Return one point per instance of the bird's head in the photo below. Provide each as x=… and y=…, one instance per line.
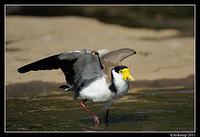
x=124, y=72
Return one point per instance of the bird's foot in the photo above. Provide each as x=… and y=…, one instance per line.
x=96, y=120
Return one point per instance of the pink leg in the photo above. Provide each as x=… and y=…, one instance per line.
x=95, y=117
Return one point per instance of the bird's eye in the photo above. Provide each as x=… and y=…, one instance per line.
x=93, y=53
x=120, y=71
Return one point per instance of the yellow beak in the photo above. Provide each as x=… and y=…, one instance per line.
x=127, y=77
x=126, y=74
x=130, y=77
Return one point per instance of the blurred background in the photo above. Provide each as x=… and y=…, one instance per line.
x=157, y=17
x=162, y=35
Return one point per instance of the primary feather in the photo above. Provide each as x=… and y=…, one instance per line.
x=79, y=67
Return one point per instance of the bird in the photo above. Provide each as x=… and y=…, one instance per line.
x=102, y=79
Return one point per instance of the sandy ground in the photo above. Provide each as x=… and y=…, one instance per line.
x=163, y=54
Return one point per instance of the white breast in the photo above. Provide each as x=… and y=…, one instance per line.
x=97, y=91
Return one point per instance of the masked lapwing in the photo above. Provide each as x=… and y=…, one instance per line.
x=100, y=79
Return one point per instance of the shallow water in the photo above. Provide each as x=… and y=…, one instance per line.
x=55, y=110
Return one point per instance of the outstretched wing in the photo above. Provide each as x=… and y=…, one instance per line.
x=113, y=59
x=52, y=62
x=79, y=67
x=116, y=56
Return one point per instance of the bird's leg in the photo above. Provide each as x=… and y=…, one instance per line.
x=95, y=117
x=106, y=117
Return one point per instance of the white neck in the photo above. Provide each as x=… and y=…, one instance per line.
x=121, y=85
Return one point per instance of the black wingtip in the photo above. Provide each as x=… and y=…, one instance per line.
x=25, y=68
x=18, y=70
x=21, y=70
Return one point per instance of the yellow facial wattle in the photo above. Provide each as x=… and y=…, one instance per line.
x=126, y=74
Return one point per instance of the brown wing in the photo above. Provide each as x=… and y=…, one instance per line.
x=113, y=59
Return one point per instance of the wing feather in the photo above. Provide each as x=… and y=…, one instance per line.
x=48, y=63
x=79, y=67
x=116, y=56
x=113, y=59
